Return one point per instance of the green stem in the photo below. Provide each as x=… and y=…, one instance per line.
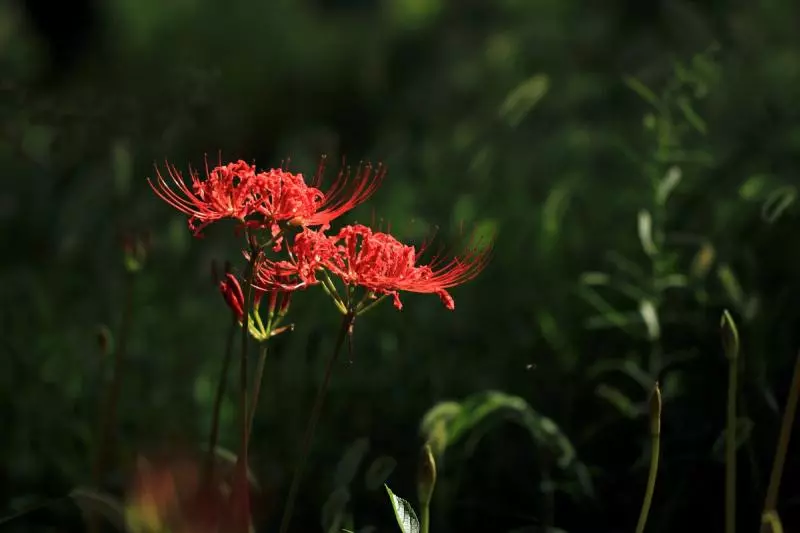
x=213, y=436
x=783, y=440
x=655, y=445
x=262, y=360
x=316, y=411
x=730, y=448
x=248, y=292
x=425, y=517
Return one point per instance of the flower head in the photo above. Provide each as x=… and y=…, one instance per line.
x=309, y=252
x=228, y=191
x=347, y=191
x=373, y=260
x=265, y=199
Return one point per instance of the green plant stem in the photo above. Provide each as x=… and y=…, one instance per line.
x=316, y=411
x=213, y=436
x=262, y=360
x=655, y=445
x=425, y=517
x=248, y=292
x=789, y=414
x=730, y=448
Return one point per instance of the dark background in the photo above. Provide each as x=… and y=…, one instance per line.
x=531, y=119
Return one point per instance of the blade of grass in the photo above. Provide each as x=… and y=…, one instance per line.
x=789, y=414
x=655, y=445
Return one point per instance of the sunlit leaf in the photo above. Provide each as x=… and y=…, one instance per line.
x=777, y=203
x=523, y=98
x=668, y=184
x=595, y=278
x=731, y=285
x=703, y=260
x=645, y=227
x=403, y=513
x=650, y=316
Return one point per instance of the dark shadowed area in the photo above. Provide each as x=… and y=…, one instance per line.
x=636, y=163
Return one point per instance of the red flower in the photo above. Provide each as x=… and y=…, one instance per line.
x=237, y=191
x=309, y=252
x=373, y=260
x=346, y=193
x=232, y=293
x=226, y=192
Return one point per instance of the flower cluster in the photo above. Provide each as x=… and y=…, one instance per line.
x=300, y=214
x=264, y=199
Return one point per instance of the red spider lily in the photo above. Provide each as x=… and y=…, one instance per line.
x=228, y=191
x=237, y=191
x=234, y=296
x=309, y=252
x=373, y=260
x=346, y=192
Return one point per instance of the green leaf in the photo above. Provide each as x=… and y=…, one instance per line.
x=480, y=411
x=334, y=509
x=351, y=460
x=668, y=184
x=650, y=316
x=645, y=227
x=403, y=513
x=777, y=203
x=642, y=90
x=379, y=471
x=691, y=115
x=617, y=398
x=523, y=98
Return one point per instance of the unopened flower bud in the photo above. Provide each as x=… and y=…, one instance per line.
x=233, y=295
x=730, y=335
x=426, y=476
x=655, y=411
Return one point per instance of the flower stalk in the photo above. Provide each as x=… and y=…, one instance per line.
x=655, y=444
x=213, y=436
x=789, y=413
x=316, y=412
x=730, y=342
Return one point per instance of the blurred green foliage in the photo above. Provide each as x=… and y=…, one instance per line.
x=638, y=161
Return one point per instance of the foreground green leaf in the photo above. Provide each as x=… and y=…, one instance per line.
x=403, y=513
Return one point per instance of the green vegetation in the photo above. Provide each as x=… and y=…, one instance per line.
x=637, y=164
